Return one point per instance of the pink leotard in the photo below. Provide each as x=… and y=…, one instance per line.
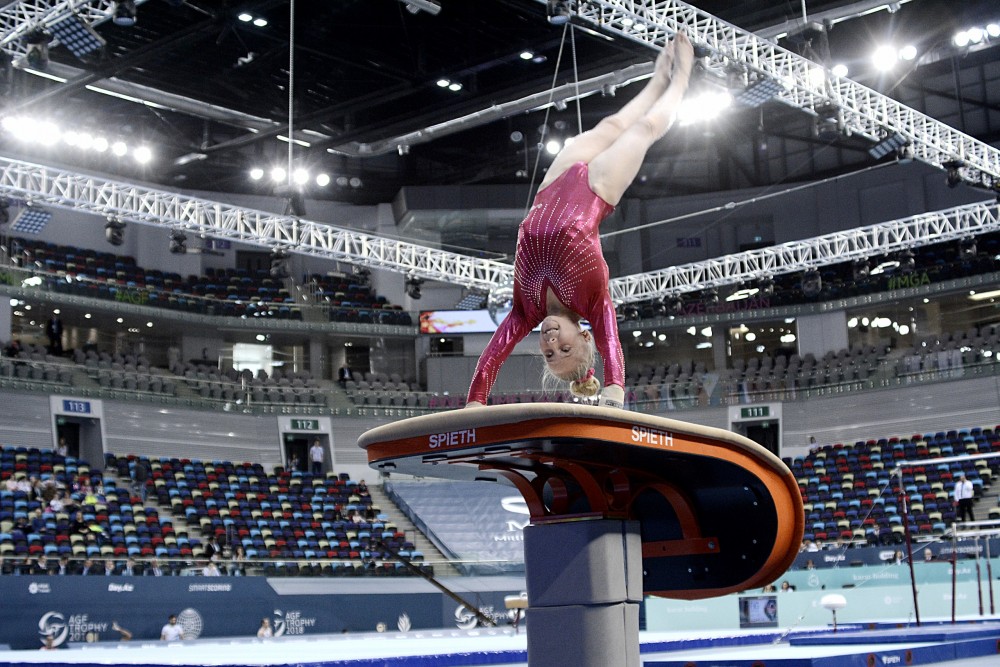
x=558, y=247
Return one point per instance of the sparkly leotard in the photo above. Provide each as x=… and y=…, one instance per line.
x=558, y=247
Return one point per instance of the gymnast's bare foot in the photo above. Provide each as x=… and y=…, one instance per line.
x=683, y=55
x=665, y=63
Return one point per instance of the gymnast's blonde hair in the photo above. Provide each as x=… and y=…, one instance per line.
x=581, y=379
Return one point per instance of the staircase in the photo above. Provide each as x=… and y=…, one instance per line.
x=432, y=555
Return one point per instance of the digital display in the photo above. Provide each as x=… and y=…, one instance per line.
x=759, y=612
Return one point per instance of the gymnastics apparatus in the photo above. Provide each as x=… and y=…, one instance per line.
x=622, y=504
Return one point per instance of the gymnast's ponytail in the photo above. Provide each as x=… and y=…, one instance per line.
x=586, y=386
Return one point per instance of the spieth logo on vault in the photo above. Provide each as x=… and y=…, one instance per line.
x=452, y=438
x=652, y=436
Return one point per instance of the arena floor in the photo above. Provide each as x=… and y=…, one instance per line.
x=972, y=644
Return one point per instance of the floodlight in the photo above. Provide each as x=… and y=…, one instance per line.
x=78, y=37
x=124, y=14
x=413, y=285
x=812, y=283
x=759, y=93
x=279, y=264
x=888, y=145
x=178, y=241
x=114, y=231
x=558, y=11
x=37, y=56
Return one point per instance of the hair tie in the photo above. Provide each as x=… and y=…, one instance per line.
x=590, y=374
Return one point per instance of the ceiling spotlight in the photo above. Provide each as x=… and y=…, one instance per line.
x=124, y=14
x=907, y=260
x=760, y=92
x=178, y=241
x=967, y=247
x=766, y=286
x=432, y=7
x=860, y=270
x=114, y=231
x=954, y=171
x=674, y=304
x=37, y=56
x=889, y=144
x=279, y=264
x=812, y=283
x=710, y=296
x=558, y=11
x=412, y=286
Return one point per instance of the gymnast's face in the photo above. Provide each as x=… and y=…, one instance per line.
x=563, y=345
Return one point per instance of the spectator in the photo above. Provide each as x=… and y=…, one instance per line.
x=88, y=568
x=124, y=635
x=154, y=569
x=54, y=331
x=964, y=494
x=109, y=568
x=265, y=628
x=65, y=566
x=211, y=570
x=140, y=475
x=42, y=566
x=343, y=375
x=238, y=567
x=316, y=457
x=213, y=550
x=293, y=463
x=130, y=568
x=171, y=632
x=786, y=587
x=875, y=537
x=62, y=449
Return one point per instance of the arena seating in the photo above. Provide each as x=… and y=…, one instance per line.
x=229, y=292
x=118, y=525
x=285, y=517
x=848, y=489
x=351, y=301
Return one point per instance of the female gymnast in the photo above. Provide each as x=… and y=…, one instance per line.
x=560, y=276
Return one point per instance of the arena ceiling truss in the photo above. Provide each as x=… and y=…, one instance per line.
x=727, y=49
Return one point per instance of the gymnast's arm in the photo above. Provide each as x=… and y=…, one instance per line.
x=604, y=323
x=510, y=332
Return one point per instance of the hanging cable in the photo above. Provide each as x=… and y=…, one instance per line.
x=545, y=121
x=576, y=78
x=291, y=88
x=733, y=205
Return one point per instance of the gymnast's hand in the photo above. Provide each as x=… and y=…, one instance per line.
x=474, y=404
x=613, y=396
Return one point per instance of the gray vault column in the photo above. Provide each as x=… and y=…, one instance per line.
x=584, y=581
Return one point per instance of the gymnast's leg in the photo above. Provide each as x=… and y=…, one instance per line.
x=613, y=169
x=594, y=141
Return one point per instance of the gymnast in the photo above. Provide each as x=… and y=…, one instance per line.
x=560, y=276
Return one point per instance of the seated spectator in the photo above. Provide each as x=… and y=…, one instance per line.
x=88, y=568
x=154, y=569
x=65, y=566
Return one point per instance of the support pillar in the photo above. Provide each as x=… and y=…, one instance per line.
x=584, y=582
